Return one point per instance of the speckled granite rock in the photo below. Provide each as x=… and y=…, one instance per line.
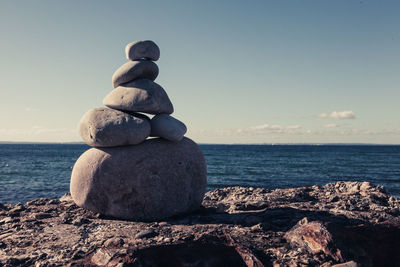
x=149, y=181
x=167, y=127
x=140, y=95
x=345, y=222
x=133, y=70
x=142, y=49
x=104, y=127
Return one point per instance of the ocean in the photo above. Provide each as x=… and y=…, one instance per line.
x=29, y=171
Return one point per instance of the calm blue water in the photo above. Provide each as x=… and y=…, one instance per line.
x=29, y=171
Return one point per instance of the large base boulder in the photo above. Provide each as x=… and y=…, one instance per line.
x=150, y=181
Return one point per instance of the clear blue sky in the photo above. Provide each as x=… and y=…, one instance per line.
x=236, y=71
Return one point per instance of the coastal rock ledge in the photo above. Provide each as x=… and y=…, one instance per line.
x=338, y=224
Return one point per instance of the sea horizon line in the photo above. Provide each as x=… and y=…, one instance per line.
x=254, y=144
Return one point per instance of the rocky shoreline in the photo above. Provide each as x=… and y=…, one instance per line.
x=342, y=224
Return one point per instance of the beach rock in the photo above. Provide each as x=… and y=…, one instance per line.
x=142, y=49
x=146, y=234
x=167, y=127
x=102, y=257
x=133, y=70
x=314, y=237
x=216, y=235
x=103, y=127
x=114, y=242
x=153, y=180
x=141, y=95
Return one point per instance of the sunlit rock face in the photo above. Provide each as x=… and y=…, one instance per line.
x=150, y=181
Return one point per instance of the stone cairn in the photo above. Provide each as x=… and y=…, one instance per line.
x=124, y=175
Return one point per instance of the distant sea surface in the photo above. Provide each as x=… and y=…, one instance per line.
x=29, y=171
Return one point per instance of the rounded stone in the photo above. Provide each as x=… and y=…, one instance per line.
x=167, y=127
x=140, y=95
x=142, y=49
x=150, y=181
x=133, y=70
x=103, y=127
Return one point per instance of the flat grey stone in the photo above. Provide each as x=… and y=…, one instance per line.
x=146, y=234
x=133, y=70
x=140, y=95
x=104, y=127
x=150, y=181
x=167, y=127
x=142, y=49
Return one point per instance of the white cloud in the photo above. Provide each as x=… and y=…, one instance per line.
x=293, y=127
x=347, y=114
x=35, y=130
x=331, y=129
x=38, y=133
x=29, y=109
x=270, y=129
x=260, y=127
x=331, y=125
x=296, y=132
x=335, y=131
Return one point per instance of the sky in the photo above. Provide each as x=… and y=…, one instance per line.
x=235, y=71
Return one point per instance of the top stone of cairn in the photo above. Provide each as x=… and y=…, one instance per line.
x=142, y=49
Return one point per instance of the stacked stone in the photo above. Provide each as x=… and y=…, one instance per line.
x=124, y=175
x=135, y=91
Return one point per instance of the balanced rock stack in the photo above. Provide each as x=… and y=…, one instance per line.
x=124, y=175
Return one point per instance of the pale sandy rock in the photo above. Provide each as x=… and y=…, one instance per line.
x=142, y=49
x=141, y=95
x=133, y=70
x=153, y=180
x=104, y=127
x=167, y=127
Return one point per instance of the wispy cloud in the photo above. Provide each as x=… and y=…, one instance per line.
x=331, y=125
x=334, y=131
x=270, y=129
x=35, y=130
x=29, y=109
x=38, y=133
x=347, y=114
x=292, y=131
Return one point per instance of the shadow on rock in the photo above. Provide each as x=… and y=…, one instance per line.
x=369, y=244
x=338, y=237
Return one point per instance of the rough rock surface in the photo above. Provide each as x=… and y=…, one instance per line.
x=152, y=180
x=133, y=70
x=104, y=127
x=141, y=95
x=167, y=127
x=142, y=49
x=346, y=222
